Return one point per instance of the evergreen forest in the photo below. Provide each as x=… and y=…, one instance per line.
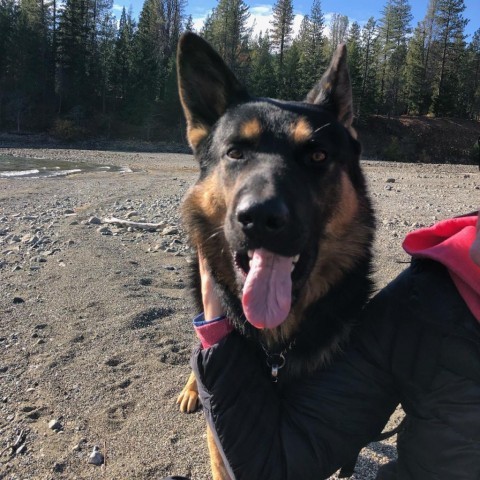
x=74, y=69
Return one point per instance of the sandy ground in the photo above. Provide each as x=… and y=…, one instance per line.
x=95, y=320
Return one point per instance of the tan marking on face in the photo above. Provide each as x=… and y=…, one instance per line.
x=346, y=209
x=251, y=129
x=203, y=212
x=301, y=131
x=196, y=134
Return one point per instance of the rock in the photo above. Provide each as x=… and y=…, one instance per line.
x=104, y=231
x=132, y=214
x=94, y=221
x=58, y=467
x=68, y=211
x=54, y=425
x=96, y=457
x=18, y=300
x=170, y=231
x=21, y=449
x=390, y=180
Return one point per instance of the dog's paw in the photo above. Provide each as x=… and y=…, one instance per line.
x=188, y=400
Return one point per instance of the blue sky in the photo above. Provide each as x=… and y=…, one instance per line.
x=356, y=10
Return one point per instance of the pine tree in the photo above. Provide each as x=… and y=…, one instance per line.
x=338, y=32
x=9, y=19
x=415, y=89
x=226, y=29
x=261, y=81
x=451, y=42
x=369, y=52
x=282, y=28
x=393, y=30
x=471, y=75
x=289, y=89
x=310, y=42
x=122, y=70
x=354, y=59
x=189, y=24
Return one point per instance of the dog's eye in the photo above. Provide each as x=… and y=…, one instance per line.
x=318, y=156
x=235, y=154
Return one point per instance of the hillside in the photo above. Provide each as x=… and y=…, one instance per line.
x=419, y=139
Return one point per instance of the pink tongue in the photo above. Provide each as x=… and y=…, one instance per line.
x=267, y=292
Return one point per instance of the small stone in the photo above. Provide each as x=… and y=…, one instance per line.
x=390, y=180
x=18, y=300
x=54, y=425
x=94, y=221
x=21, y=449
x=388, y=187
x=132, y=214
x=58, y=467
x=28, y=408
x=104, y=231
x=170, y=231
x=69, y=211
x=96, y=457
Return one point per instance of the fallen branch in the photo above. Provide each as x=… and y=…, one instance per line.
x=129, y=223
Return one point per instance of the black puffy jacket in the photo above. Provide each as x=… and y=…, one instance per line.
x=418, y=344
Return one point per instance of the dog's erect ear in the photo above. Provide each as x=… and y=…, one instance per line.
x=334, y=91
x=207, y=87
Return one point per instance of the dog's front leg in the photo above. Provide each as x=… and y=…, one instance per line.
x=219, y=472
x=188, y=398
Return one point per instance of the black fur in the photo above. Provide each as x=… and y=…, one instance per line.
x=277, y=173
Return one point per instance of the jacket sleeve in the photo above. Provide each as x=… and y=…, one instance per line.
x=307, y=430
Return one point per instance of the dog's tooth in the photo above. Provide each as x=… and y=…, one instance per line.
x=250, y=264
x=296, y=258
x=250, y=254
x=292, y=268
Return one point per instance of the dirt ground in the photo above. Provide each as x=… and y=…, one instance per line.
x=95, y=320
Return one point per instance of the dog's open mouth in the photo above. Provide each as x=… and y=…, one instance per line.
x=267, y=290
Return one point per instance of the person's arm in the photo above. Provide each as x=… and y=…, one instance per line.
x=475, y=248
x=312, y=428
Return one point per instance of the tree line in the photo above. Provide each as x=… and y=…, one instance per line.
x=72, y=68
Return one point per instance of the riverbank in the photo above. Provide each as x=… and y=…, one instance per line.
x=95, y=329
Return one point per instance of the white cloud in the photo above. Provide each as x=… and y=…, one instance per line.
x=117, y=7
x=261, y=17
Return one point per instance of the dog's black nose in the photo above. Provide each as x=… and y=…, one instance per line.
x=260, y=218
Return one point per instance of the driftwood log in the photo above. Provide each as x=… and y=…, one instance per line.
x=129, y=223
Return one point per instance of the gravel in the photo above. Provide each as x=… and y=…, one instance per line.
x=95, y=329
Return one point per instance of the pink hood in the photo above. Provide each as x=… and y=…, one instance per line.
x=448, y=242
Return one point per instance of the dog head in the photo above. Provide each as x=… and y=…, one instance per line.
x=279, y=210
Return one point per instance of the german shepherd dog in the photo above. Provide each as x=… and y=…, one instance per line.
x=280, y=213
